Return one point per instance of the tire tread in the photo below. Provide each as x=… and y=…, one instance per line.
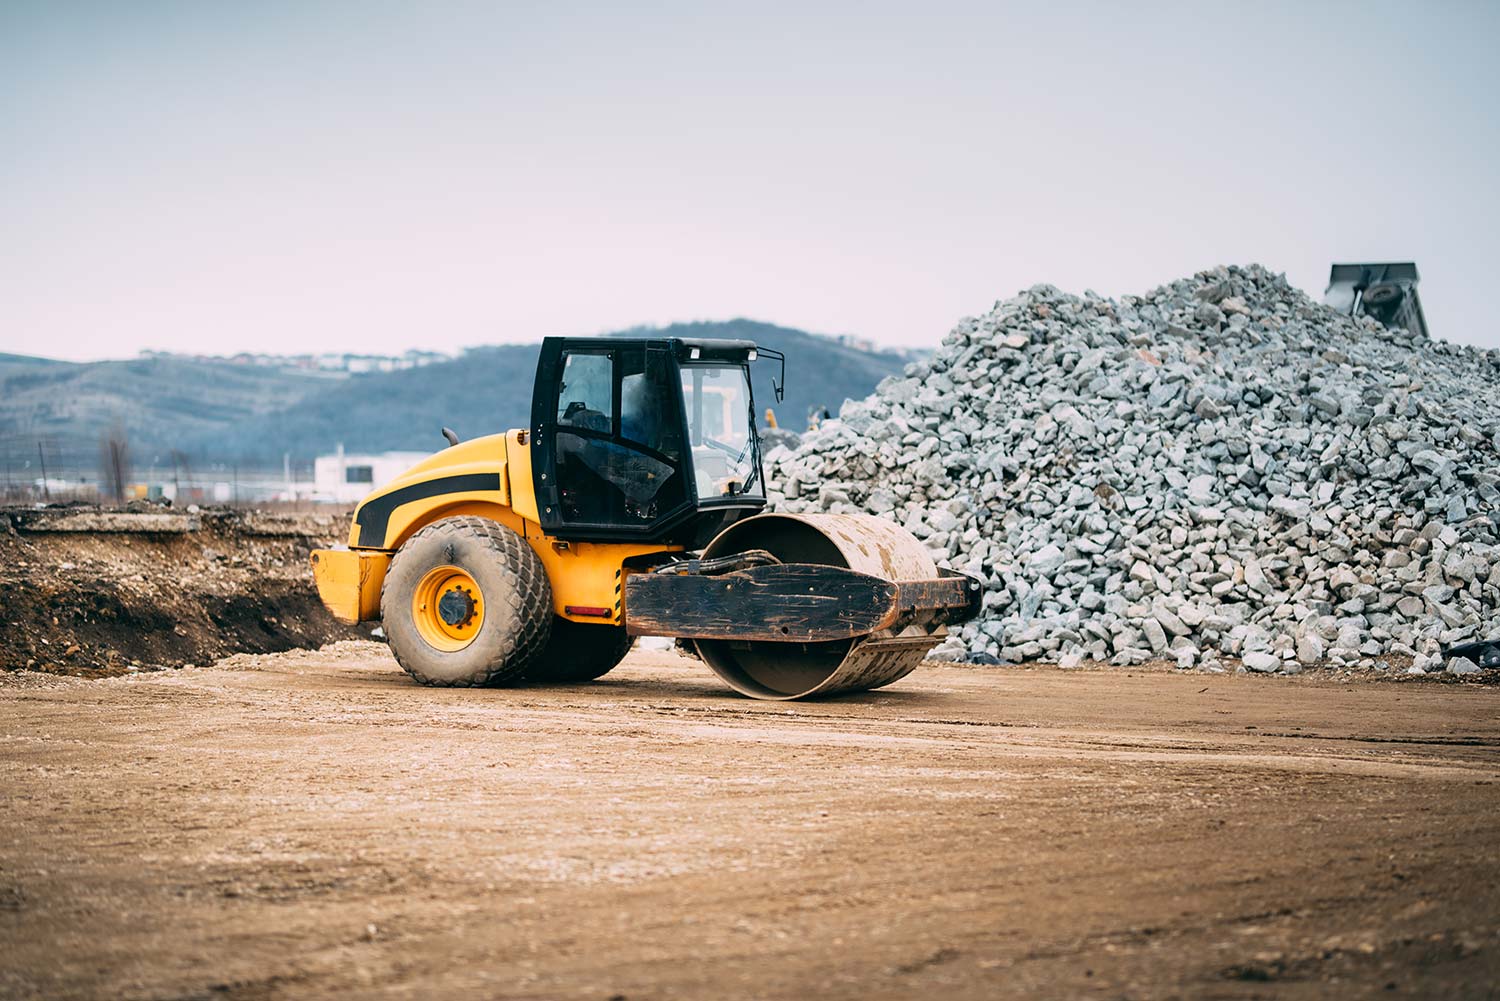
x=530, y=600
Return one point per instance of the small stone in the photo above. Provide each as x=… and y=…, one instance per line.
x=880, y=502
x=1432, y=461
x=1172, y=623
x=1155, y=635
x=1262, y=662
x=1438, y=594
x=1310, y=648
x=1047, y=560
x=943, y=520
x=1293, y=509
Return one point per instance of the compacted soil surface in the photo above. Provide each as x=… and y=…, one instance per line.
x=312, y=824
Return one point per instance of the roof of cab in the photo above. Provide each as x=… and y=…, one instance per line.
x=707, y=348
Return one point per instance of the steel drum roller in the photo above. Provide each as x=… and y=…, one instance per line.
x=859, y=542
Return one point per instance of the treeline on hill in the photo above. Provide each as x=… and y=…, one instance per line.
x=216, y=412
x=485, y=390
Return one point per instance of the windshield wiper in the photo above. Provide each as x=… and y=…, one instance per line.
x=754, y=454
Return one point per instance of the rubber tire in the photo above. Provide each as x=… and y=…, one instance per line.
x=580, y=651
x=517, y=603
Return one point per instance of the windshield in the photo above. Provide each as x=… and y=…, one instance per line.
x=716, y=400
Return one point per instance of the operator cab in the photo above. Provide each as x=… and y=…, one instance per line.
x=644, y=439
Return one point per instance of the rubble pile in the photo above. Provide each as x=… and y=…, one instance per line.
x=1220, y=468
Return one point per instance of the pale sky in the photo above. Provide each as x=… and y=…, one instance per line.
x=284, y=177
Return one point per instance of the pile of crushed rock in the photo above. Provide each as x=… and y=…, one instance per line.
x=1221, y=467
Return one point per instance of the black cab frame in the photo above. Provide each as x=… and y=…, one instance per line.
x=644, y=439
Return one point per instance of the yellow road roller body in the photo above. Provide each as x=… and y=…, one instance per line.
x=490, y=478
x=633, y=505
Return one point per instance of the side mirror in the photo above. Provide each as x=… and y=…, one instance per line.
x=778, y=388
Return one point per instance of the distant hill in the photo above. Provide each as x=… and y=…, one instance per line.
x=162, y=403
x=217, y=412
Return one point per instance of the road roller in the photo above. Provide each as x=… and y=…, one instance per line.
x=634, y=505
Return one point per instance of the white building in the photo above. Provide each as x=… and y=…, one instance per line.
x=346, y=478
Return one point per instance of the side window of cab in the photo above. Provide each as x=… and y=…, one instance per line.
x=585, y=397
x=617, y=451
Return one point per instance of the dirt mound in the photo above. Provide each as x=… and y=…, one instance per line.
x=95, y=593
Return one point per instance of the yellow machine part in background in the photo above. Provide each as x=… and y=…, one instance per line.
x=489, y=477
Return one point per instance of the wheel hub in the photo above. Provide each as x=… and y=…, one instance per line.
x=456, y=607
x=448, y=608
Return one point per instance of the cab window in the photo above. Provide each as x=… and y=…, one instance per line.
x=717, y=403
x=585, y=398
x=618, y=447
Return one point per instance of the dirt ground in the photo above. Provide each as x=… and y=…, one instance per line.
x=96, y=604
x=311, y=824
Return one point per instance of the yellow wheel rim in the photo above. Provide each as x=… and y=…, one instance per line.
x=448, y=608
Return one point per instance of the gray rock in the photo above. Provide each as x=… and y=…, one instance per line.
x=1191, y=614
x=1293, y=509
x=943, y=520
x=1255, y=577
x=1172, y=623
x=1262, y=662
x=1438, y=594
x=1410, y=606
x=1046, y=561
x=1432, y=462
x=1155, y=635
x=1310, y=648
x=1462, y=665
